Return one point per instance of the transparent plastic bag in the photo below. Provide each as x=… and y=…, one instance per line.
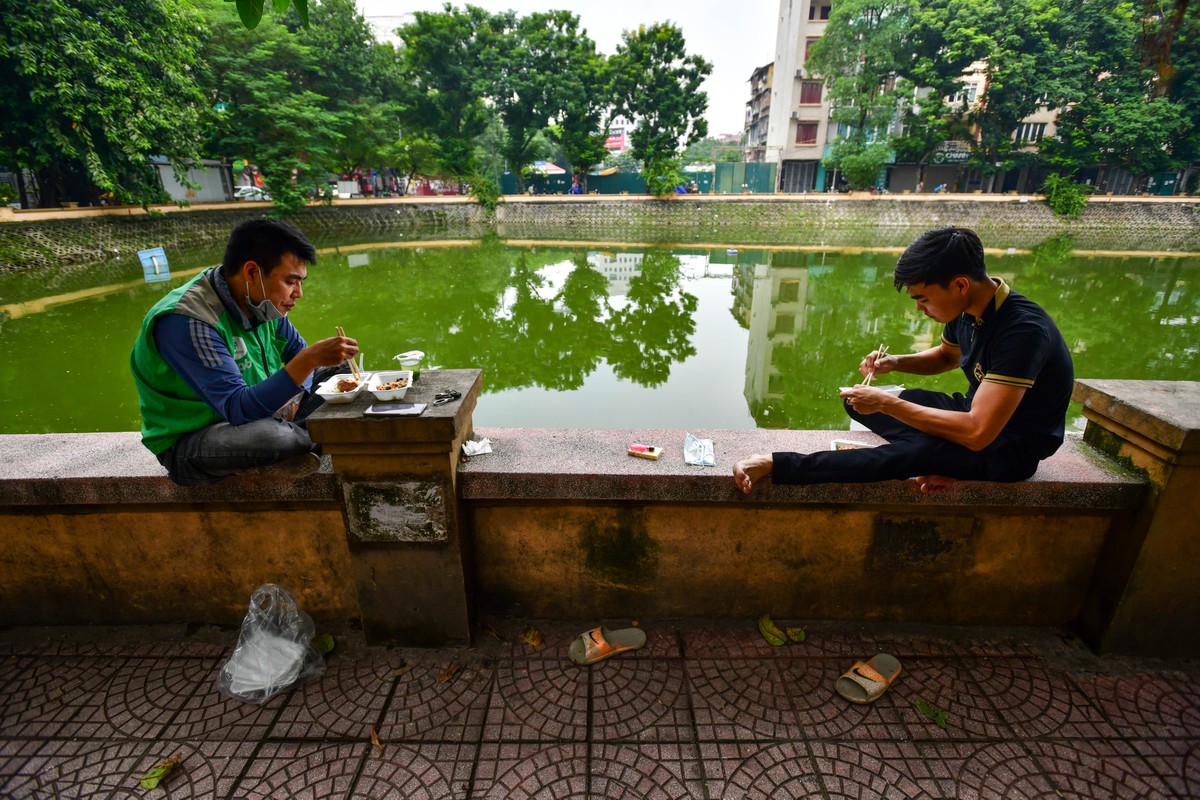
x=274, y=651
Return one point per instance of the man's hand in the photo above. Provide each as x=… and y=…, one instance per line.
x=325, y=353
x=867, y=399
x=880, y=365
x=745, y=473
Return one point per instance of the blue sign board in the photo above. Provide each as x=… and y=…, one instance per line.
x=154, y=265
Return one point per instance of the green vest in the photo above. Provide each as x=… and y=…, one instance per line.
x=169, y=406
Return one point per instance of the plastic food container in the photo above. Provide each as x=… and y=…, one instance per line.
x=328, y=390
x=892, y=390
x=379, y=379
x=411, y=361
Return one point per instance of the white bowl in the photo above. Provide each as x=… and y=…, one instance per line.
x=380, y=378
x=328, y=390
x=892, y=390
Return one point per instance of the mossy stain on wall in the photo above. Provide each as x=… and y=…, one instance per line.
x=620, y=550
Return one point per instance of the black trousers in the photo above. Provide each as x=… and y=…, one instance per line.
x=909, y=453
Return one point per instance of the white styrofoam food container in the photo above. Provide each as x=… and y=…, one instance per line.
x=390, y=376
x=328, y=390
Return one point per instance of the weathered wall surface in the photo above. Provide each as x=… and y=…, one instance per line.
x=30, y=241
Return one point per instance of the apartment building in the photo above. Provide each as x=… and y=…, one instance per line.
x=758, y=113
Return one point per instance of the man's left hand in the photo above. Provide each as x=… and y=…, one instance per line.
x=866, y=399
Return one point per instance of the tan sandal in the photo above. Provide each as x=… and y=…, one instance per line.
x=601, y=643
x=866, y=681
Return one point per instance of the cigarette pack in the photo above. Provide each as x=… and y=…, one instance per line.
x=645, y=451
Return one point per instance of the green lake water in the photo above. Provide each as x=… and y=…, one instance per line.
x=604, y=336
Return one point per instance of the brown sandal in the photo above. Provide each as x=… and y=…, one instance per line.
x=866, y=681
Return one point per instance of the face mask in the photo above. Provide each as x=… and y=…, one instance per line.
x=266, y=311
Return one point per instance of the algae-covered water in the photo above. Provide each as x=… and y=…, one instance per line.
x=604, y=336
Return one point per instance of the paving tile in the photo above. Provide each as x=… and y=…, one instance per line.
x=511, y=771
x=141, y=699
x=538, y=700
x=429, y=703
x=641, y=700
x=346, y=701
x=82, y=769
x=1147, y=704
x=301, y=771
x=741, y=639
x=975, y=771
x=55, y=696
x=210, y=715
x=745, y=770
x=417, y=772
x=1088, y=769
x=645, y=770
x=1175, y=761
x=741, y=700
x=205, y=770
x=864, y=770
x=1035, y=699
x=824, y=714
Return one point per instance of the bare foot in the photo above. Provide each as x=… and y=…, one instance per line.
x=746, y=472
x=931, y=484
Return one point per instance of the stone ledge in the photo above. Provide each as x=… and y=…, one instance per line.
x=592, y=465
x=1165, y=412
x=114, y=469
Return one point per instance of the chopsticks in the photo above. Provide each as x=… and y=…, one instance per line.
x=880, y=353
x=353, y=367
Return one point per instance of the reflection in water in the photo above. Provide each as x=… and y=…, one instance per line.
x=634, y=337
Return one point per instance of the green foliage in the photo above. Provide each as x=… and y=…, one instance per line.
x=91, y=88
x=711, y=151
x=662, y=177
x=584, y=92
x=8, y=193
x=1065, y=198
x=626, y=162
x=445, y=58
x=656, y=82
x=486, y=191
x=859, y=162
x=251, y=11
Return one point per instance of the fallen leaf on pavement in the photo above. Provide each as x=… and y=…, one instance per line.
x=159, y=773
x=933, y=712
x=375, y=738
x=532, y=636
x=448, y=674
x=492, y=632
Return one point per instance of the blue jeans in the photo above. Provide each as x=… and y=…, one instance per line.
x=219, y=450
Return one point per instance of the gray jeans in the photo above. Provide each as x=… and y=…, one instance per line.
x=221, y=449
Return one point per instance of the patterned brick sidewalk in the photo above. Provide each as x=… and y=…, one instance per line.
x=705, y=710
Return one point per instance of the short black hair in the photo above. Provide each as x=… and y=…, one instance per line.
x=265, y=242
x=939, y=256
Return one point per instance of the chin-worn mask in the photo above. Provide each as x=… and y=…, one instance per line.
x=266, y=311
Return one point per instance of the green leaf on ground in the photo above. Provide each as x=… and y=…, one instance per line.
x=323, y=644
x=796, y=634
x=933, y=712
x=158, y=774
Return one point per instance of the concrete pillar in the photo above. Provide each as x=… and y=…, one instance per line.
x=1145, y=598
x=399, y=490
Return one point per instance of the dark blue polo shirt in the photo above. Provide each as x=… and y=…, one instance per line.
x=1016, y=343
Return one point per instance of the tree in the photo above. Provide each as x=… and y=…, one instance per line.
x=261, y=79
x=90, y=89
x=524, y=67
x=860, y=57
x=710, y=151
x=657, y=83
x=585, y=99
x=444, y=57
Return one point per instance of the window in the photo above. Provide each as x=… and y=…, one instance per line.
x=967, y=95
x=808, y=43
x=1031, y=131
x=806, y=133
x=810, y=93
x=785, y=324
x=819, y=9
x=789, y=291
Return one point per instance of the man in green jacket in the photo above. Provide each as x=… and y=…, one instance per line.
x=224, y=381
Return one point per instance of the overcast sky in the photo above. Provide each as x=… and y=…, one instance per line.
x=736, y=37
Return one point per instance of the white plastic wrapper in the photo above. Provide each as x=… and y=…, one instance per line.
x=698, y=452
x=476, y=448
x=274, y=651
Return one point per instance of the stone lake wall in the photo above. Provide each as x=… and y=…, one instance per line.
x=1108, y=224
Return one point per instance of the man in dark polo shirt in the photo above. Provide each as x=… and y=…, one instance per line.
x=1017, y=366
